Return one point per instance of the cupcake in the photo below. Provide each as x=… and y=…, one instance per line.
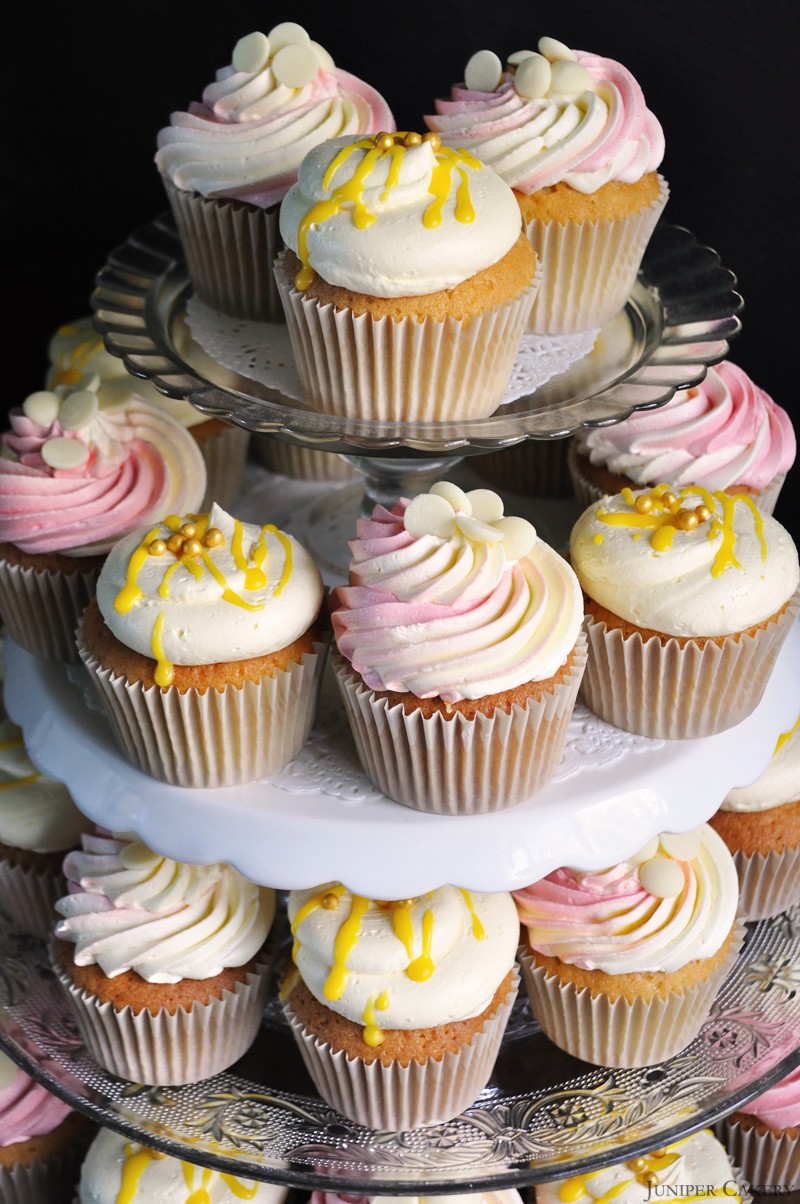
x=229, y=160
x=408, y=281
x=399, y=1008
x=725, y=433
x=763, y=1136
x=39, y=822
x=760, y=824
x=694, y=1168
x=206, y=645
x=689, y=597
x=78, y=357
x=42, y=1140
x=302, y=463
x=459, y=652
x=163, y=963
x=622, y=964
x=116, y=1169
x=570, y=132
x=75, y=478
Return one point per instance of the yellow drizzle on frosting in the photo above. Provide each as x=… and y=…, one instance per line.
x=478, y=931
x=69, y=371
x=137, y=1161
x=422, y=967
x=130, y=593
x=786, y=736
x=571, y=1190
x=164, y=672
x=373, y=1035
x=343, y=946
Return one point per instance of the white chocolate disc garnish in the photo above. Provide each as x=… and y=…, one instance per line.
x=251, y=53
x=324, y=59
x=452, y=494
x=645, y=852
x=681, y=845
x=483, y=71
x=295, y=66
x=486, y=505
x=552, y=49
x=570, y=79
x=428, y=514
x=533, y=77
x=475, y=530
x=519, y=536
x=518, y=57
x=288, y=33
x=64, y=453
x=41, y=407
x=78, y=409
x=661, y=877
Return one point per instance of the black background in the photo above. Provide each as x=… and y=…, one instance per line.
x=87, y=88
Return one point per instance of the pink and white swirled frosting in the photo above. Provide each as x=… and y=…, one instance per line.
x=609, y=920
x=779, y=1106
x=455, y=615
x=26, y=1109
x=723, y=432
x=75, y=477
x=604, y=132
x=247, y=138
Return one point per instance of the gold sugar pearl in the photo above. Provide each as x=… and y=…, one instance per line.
x=213, y=538
x=686, y=520
x=703, y=513
x=434, y=139
x=637, y=1164
x=188, y=530
x=384, y=142
x=175, y=544
x=648, y=1179
x=156, y=547
x=658, y=1153
x=193, y=548
x=412, y=138
x=330, y=901
x=668, y=500
x=644, y=503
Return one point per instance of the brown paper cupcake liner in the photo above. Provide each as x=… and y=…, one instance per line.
x=302, y=463
x=408, y=371
x=589, y=268
x=769, y=883
x=225, y=455
x=43, y=1181
x=41, y=610
x=216, y=737
x=459, y=766
x=229, y=247
x=166, y=1049
x=398, y=1098
x=28, y=897
x=621, y=1032
x=673, y=692
x=535, y=468
x=768, y=1160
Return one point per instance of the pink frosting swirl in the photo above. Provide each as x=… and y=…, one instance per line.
x=721, y=433
x=606, y=133
x=26, y=1109
x=779, y=1106
x=140, y=463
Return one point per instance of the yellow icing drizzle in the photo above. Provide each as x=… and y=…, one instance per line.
x=598, y=538
x=15, y=743
x=200, y=1194
x=345, y=943
x=165, y=671
x=373, y=1035
x=27, y=781
x=422, y=967
x=306, y=910
x=403, y=928
x=478, y=931
x=130, y=592
x=68, y=370
x=571, y=1190
x=288, y=559
x=786, y=736
x=134, y=1166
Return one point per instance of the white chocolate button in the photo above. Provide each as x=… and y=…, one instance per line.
x=662, y=877
x=41, y=407
x=519, y=536
x=78, y=409
x=533, y=77
x=645, y=852
x=295, y=66
x=288, y=33
x=483, y=71
x=570, y=79
x=324, y=59
x=552, y=49
x=64, y=453
x=251, y=53
x=452, y=494
x=475, y=530
x=428, y=514
x=681, y=845
x=486, y=505
x=518, y=57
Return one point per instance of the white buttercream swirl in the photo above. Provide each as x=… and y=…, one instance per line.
x=132, y=909
x=368, y=226
x=422, y=962
x=778, y=784
x=36, y=812
x=607, y=920
x=728, y=573
x=250, y=595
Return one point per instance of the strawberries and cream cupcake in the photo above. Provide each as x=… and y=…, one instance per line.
x=689, y=596
x=622, y=964
x=725, y=433
x=228, y=160
x=163, y=963
x=763, y=1136
x=74, y=478
x=571, y=133
x=459, y=652
x=399, y=1007
x=206, y=644
x=408, y=282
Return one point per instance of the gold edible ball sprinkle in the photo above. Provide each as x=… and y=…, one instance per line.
x=637, y=1164
x=703, y=513
x=175, y=544
x=434, y=139
x=384, y=142
x=686, y=520
x=213, y=538
x=658, y=1153
x=412, y=138
x=156, y=547
x=188, y=530
x=330, y=901
x=644, y=503
x=193, y=548
x=648, y=1179
x=668, y=500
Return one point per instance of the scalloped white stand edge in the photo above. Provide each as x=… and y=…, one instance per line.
x=289, y=839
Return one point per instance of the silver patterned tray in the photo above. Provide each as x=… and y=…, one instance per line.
x=543, y=1116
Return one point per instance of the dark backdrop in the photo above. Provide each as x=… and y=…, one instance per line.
x=88, y=86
